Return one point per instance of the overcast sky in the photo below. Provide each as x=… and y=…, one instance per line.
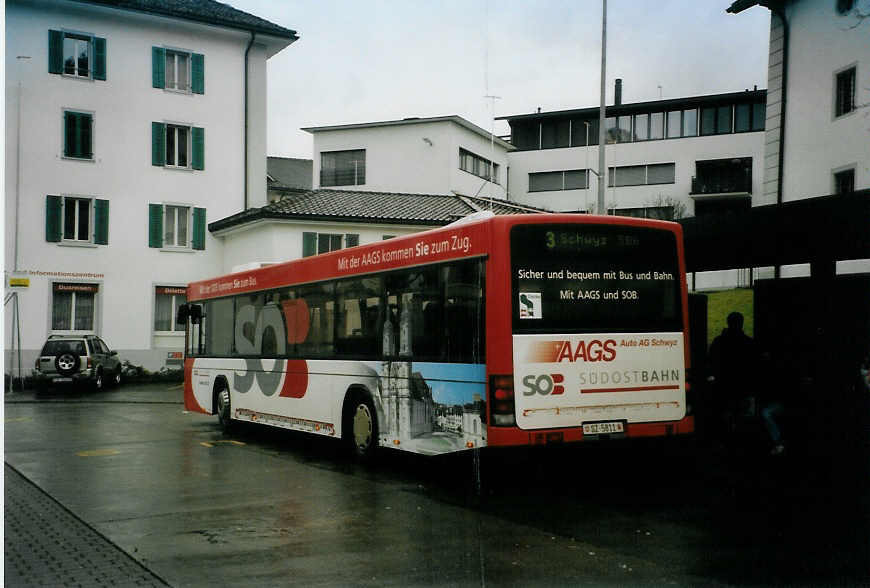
x=379, y=60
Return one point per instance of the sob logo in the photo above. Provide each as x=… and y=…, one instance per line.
x=545, y=385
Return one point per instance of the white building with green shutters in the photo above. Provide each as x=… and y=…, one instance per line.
x=129, y=126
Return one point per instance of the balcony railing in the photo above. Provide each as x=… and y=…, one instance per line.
x=723, y=183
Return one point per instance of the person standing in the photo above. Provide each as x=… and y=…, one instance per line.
x=734, y=364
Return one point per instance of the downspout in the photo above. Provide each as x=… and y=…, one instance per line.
x=247, y=51
x=780, y=12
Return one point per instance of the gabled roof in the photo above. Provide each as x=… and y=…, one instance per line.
x=372, y=207
x=414, y=120
x=288, y=172
x=204, y=11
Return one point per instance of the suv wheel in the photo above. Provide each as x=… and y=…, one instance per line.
x=67, y=363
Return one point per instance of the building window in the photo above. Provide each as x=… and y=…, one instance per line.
x=723, y=119
x=477, y=165
x=76, y=219
x=641, y=175
x=555, y=133
x=708, y=121
x=690, y=122
x=177, y=146
x=317, y=243
x=176, y=226
x=657, y=125
x=176, y=223
x=579, y=132
x=845, y=92
x=78, y=55
x=759, y=110
x=167, y=301
x=641, y=127
x=73, y=307
x=673, y=124
x=343, y=168
x=574, y=179
x=844, y=181
x=177, y=70
x=78, y=135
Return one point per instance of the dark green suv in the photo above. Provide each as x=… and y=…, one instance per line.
x=77, y=359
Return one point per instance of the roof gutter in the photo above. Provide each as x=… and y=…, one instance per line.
x=247, y=52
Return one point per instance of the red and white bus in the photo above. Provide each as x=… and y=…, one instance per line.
x=496, y=331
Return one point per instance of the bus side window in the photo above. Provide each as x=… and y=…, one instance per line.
x=358, y=302
x=464, y=312
x=416, y=299
x=321, y=320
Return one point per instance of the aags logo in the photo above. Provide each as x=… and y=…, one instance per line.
x=545, y=385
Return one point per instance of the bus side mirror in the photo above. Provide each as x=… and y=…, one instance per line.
x=182, y=314
x=195, y=313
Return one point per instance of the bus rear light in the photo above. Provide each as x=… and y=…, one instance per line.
x=501, y=390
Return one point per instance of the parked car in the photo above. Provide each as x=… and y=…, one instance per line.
x=77, y=359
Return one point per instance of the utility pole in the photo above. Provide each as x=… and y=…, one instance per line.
x=601, y=133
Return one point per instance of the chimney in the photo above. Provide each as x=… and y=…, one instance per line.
x=617, y=94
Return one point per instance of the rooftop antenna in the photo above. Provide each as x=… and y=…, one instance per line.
x=492, y=100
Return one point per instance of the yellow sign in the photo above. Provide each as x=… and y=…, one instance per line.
x=19, y=282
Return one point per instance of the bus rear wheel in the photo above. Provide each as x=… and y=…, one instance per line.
x=224, y=408
x=361, y=427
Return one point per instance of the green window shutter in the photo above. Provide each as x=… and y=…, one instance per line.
x=158, y=67
x=351, y=240
x=197, y=67
x=69, y=133
x=199, y=229
x=53, y=211
x=309, y=244
x=158, y=143
x=155, y=225
x=55, y=52
x=101, y=222
x=99, y=58
x=84, y=143
x=198, y=142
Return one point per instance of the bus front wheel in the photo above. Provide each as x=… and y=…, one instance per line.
x=361, y=427
x=224, y=408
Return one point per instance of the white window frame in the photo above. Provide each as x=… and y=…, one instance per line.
x=175, y=303
x=90, y=229
x=175, y=206
x=173, y=128
x=173, y=85
x=71, y=331
x=851, y=66
x=78, y=38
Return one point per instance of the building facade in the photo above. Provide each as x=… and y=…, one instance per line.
x=818, y=103
x=665, y=159
x=126, y=135
x=437, y=155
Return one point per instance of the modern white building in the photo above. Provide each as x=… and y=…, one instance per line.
x=436, y=155
x=817, y=137
x=665, y=158
x=129, y=127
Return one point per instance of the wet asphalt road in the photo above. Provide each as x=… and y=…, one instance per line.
x=265, y=507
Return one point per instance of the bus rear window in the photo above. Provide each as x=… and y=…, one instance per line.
x=594, y=278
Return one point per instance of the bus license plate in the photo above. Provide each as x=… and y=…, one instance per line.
x=603, y=428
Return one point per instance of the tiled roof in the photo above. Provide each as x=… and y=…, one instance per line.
x=206, y=11
x=378, y=207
